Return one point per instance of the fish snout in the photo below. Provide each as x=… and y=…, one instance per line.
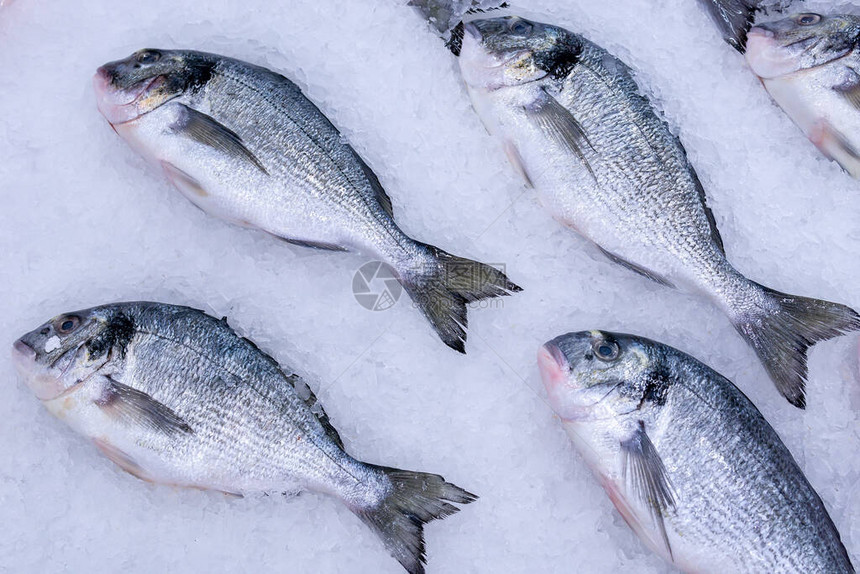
x=22, y=352
x=765, y=55
x=553, y=365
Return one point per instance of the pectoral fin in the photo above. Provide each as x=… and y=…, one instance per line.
x=646, y=476
x=560, y=125
x=209, y=132
x=133, y=407
x=851, y=92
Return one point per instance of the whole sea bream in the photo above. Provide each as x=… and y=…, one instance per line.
x=175, y=396
x=687, y=459
x=575, y=125
x=810, y=64
x=243, y=143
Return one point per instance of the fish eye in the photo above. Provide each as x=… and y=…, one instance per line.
x=808, y=19
x=606, y=350
x=520, y=27
x=67, y=324
x=148, y=57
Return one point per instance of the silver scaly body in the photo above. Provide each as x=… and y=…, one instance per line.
x=732, y=499
x=174, y=396
x=576, y=126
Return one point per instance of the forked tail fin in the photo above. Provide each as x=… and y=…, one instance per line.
x=445, y=283
x=415, y=498
x=784, y=329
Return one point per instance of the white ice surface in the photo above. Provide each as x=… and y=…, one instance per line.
x=84, y=221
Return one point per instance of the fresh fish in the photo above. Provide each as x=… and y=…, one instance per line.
x=243, y=143
x=687, y=459
x=809, y=63
x=575, y=125
x=175, y=396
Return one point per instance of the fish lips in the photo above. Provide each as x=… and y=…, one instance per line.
x=116, y=105
x=43, y=385
x=766, y=56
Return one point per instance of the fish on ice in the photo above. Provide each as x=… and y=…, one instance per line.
x=577, y=128
x=175, y=396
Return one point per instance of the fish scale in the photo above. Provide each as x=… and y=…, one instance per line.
x=243, y=143
x=602, y=160
x=739, y=501
x=175, y=396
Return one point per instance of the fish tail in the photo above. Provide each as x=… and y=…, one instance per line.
x=412, y=500
x=441, y=286
x=782, y=327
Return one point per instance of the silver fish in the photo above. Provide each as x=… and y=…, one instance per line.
x=687, y=459
x=575, y=125
x=810, y=64
x=174, y=396
x=243, y=143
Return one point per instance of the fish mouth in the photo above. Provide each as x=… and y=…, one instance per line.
x=553, y=366
x=22, y=352
x=768, y=57
x=118, y=106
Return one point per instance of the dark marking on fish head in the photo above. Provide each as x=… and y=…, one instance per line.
x=518, y=50
x=148, y=78
x=602, y=374
x=117, y=332
x=51, y=358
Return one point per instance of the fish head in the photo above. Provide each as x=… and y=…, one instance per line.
x=129, y=88
x=58, y=356
x=800, y=42
x=593, y=376
x=510, y=51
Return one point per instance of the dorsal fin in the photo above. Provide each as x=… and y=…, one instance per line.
x=307, y=395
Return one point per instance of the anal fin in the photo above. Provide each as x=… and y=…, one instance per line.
x=313, y=244
x=637, y=268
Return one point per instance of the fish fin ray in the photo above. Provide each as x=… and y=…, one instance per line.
x=637, y=269
x=415, y=498
x=709, y=214
x=644, y=470
x=516, y=160
x=784, y=328
x=442, y=290
x=851, y=92
x=206, y=130
x=121, y=459
x=136, y=407
x=381, y=196
x=562, y=126
x=306, y=394
x=312, y=244
x=734, y=18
